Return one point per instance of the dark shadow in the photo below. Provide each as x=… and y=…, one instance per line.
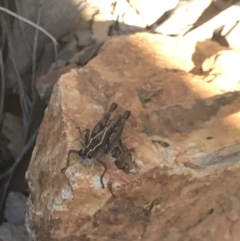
x=203, y=51
x=213, y=9
x=217, y=36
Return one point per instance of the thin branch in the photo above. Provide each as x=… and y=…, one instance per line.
x=23, y=96
x=9, y=172
x=2, y=93
x=35, y=50
x=30, y=23
x=24, y=150
x=3, y=37
x=22, y=30
x=4, y=192
x=55, y=44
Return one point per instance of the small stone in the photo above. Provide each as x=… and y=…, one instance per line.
x=6, y=232
x=10, y=232
x=15, y=209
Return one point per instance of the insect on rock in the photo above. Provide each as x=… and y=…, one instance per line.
x=104, y=137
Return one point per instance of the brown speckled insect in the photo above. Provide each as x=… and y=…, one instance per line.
x=102, y=139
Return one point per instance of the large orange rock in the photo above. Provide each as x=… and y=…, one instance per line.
x=176, y=118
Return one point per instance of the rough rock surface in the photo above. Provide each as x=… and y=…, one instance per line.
x=206, y=29
x=10, y=232
x=14, y=229
x=176, y=117
x=15, y=208
x=222, y=69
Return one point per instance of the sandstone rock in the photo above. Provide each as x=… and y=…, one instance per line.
x=175, y=118
x=204, y=50
x=172, y=55
x=126, y=14
x=101, y=25
x=233, y=36
x=152, y=10
x=206, y=30
x=183, y=17
x=222, y=69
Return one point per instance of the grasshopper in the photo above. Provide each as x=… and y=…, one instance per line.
x=101, y=141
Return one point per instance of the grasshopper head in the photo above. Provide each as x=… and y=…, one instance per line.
x=85, y=154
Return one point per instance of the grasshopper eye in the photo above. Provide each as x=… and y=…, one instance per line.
x=89, y=155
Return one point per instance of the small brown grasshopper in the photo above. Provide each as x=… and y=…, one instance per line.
x=102, y=139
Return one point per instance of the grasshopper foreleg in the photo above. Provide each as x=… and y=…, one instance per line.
x=105, y=169
x=104, y=121
x=68, y=159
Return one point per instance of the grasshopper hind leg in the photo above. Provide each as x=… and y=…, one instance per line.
x=104, y=121
x=113, y=107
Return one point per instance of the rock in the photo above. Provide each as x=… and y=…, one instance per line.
x=47, y=60
x=169, y=50
x=6, y=232
x=84, y=38
x=176, y=117
x=178, y=25
x=9, y=232
x=85, y=55
x=204, y=50
x=13, y=131
x=152, y=10
x=232, y=37
x=101, y=25
x=15, y=209
x=45, y=83
x=124, y=13
x=222, y=69
x=206, y=30
x=224, y=157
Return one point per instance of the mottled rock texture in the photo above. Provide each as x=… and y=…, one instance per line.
x=176, y=117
